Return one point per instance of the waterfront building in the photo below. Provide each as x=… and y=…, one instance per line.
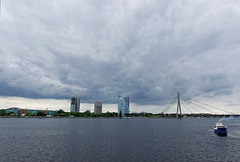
x=75, y=104
x=14, y=110
x=123, y=105
x=98, y=108
x=33, y=112
x=19, y=111
x=22, y=111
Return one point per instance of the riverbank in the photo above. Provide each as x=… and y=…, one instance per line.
x=163, y=117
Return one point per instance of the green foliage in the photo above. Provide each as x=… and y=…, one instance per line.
x=120, y=114
x=86, y=114
x=28, y=114
x=60, y=111
x=2, y=112
x=11, y=114
x=40, y=113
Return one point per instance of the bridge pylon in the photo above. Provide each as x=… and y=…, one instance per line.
x=179, y=111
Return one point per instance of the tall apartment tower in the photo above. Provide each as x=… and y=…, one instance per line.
x=98, y=108
x=123, y=105
x=75, y=104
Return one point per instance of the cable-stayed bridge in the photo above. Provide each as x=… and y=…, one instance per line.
x=186, y=104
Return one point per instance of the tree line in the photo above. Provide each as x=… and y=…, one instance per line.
x=85, y=114
x=89, y=114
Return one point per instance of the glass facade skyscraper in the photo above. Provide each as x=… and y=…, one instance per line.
x=75, y=104
x=123, y=105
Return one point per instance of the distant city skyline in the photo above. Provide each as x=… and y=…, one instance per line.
x=148, y=50
x=54, y=104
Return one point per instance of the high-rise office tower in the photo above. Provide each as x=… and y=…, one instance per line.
x=123, y=105
x=98, y=108
x=75, y=104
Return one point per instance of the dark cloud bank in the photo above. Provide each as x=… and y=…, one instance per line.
x=148, y=50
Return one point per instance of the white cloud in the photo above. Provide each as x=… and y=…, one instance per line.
x=147, y=50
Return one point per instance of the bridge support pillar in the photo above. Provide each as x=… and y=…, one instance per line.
x=179, y=111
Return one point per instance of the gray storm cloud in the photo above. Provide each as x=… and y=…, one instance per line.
x=148, y=50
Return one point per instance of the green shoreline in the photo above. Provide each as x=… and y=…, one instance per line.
x=152, y=117
x=88, y=114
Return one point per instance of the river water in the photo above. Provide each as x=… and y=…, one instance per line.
x=79, y=139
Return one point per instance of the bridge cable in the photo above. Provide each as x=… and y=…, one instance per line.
x=169, y=106
x=206, y=104
x=199, y=106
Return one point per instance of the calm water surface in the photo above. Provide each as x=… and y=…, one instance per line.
x=117, y=140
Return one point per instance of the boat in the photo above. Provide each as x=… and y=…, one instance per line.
x=220, y=129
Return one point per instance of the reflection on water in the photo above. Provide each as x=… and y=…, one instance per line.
x=117, y=140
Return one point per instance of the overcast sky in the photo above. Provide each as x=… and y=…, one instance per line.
x=148, y=50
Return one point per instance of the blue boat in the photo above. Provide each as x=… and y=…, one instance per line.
x=220, y=129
